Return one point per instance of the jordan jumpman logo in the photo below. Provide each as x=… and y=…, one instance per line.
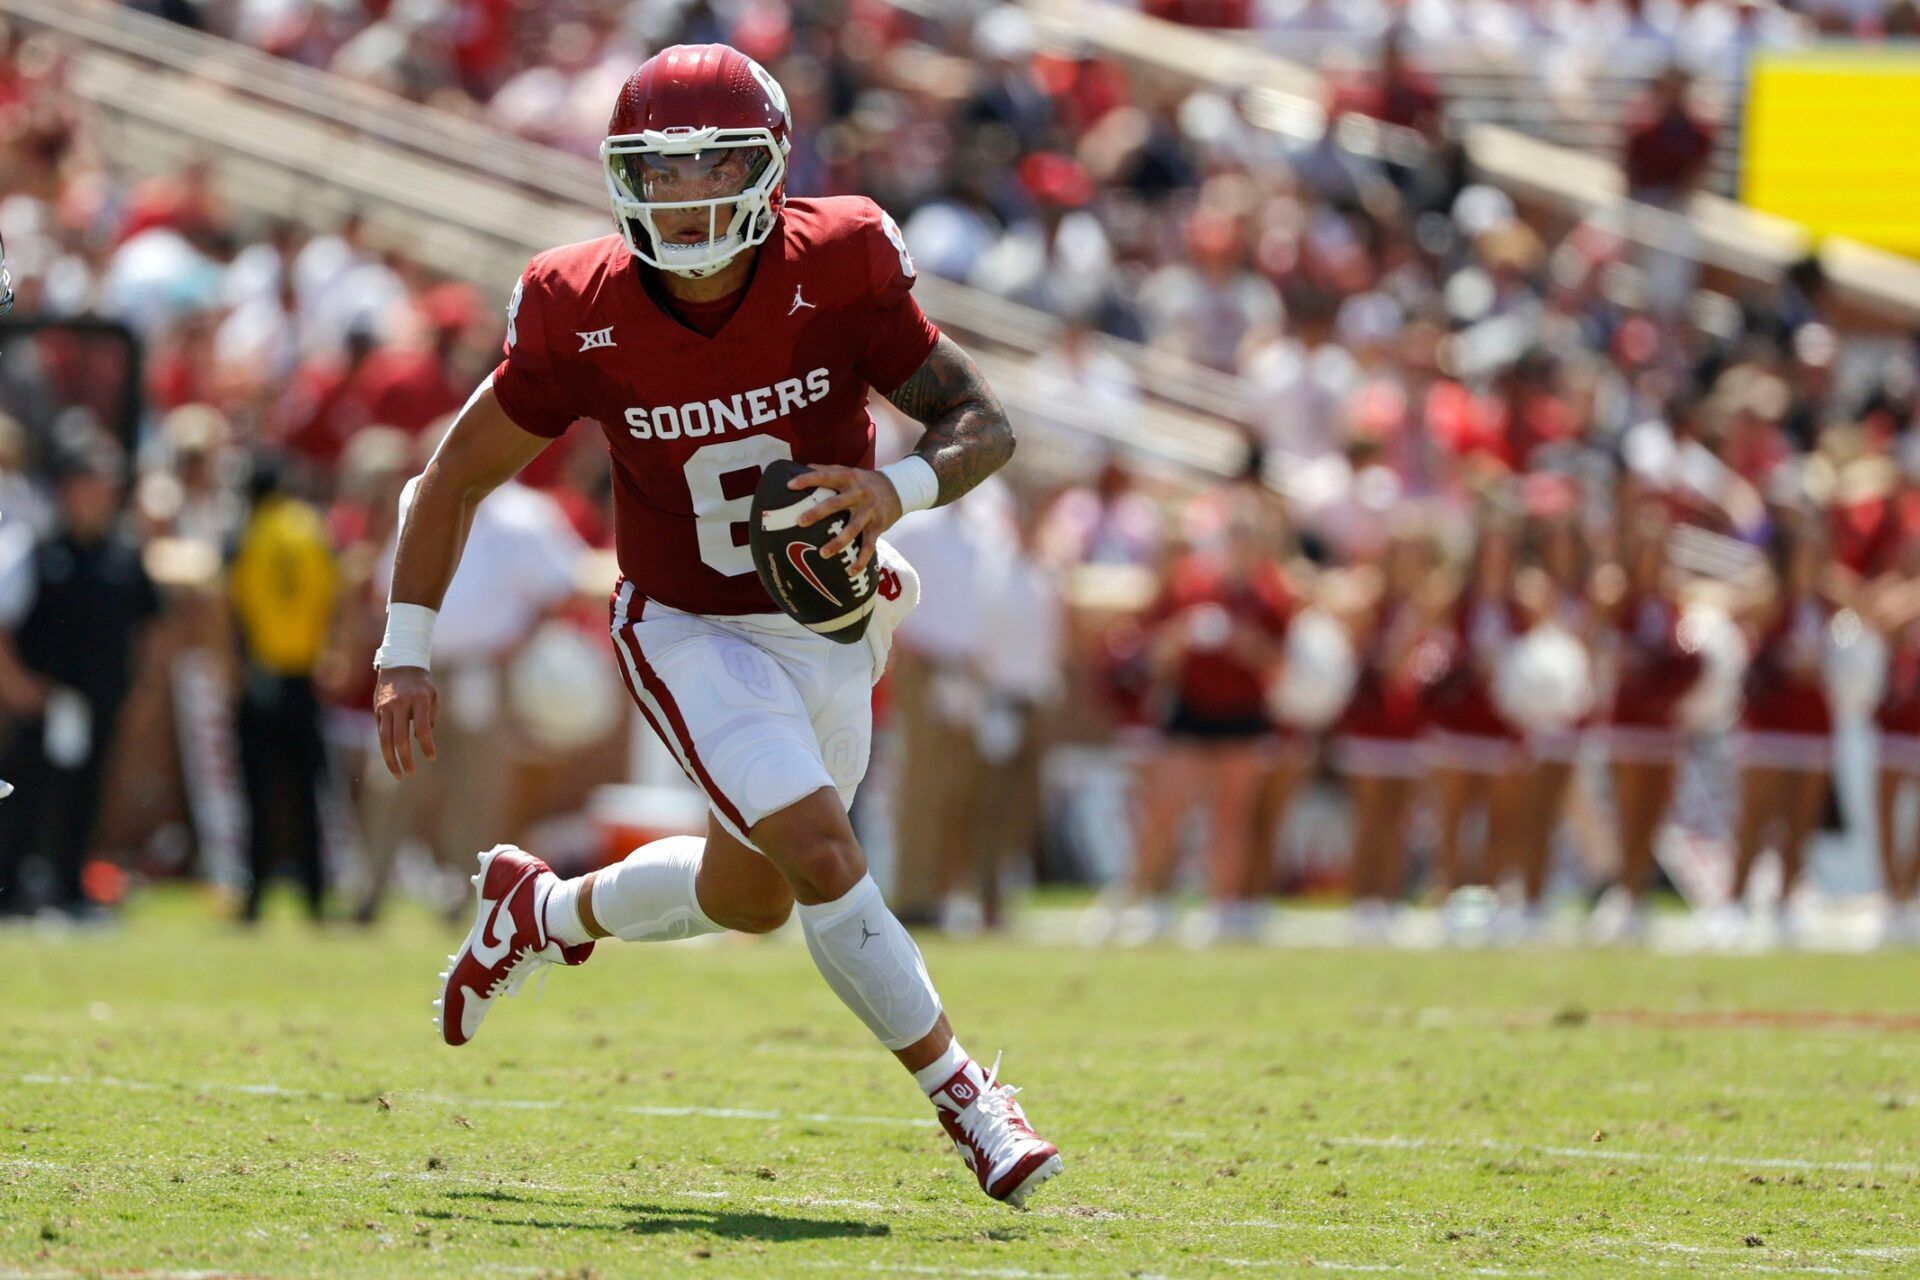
x=864, y=934
x=799, y=302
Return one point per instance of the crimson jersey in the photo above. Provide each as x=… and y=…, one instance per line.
x=1211, y=681
x=1478, y=633
x=1386, y=697
x=1651, y=670
x=1786, y=689
x=691, y=420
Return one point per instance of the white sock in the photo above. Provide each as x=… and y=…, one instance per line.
x=646, y=897
x=561, y=913
x=864, y=953
x=947, y=1078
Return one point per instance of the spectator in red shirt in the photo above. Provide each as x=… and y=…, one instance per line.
x=1398, y=92
x=1669, y=146
x=409, y=387
x=414, y=385
x=323, y=406
x=181, y=371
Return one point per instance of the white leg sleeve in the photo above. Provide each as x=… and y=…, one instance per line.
x=649, y=897
x=865, y=955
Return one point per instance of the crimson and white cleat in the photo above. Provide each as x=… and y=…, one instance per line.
x=507, y=943
x=992, y=1135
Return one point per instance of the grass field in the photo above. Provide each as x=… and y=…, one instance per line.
x=180, y=1099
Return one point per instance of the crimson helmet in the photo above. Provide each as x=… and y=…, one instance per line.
x=706, y=114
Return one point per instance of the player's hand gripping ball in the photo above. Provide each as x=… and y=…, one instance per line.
x=826, y=594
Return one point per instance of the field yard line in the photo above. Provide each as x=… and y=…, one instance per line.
x=1888, y=1252
x=270, y=1090
x=1662, y=1264
x=1607, y=1153
x=1015, y=1273
x=814, y=1202
x=57, y=1274
x=1324, y=1264
x=515, y=1104
x=1321, y=1264
x=914, y=1269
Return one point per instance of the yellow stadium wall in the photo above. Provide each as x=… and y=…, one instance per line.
x=1832, y=141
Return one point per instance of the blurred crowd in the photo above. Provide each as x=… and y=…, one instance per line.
x=246, y=470
x=1677, y=25
x=1564, y=35
x=1475, y=448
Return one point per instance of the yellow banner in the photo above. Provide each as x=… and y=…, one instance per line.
x=1832, y=141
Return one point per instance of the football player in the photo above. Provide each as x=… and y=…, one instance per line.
x=723, y=327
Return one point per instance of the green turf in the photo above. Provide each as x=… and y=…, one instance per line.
x=176, y=1097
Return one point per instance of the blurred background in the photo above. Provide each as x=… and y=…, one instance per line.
x=1469, y=489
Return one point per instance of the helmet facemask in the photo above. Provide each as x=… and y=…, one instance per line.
x=6, y=283
x=725, y=179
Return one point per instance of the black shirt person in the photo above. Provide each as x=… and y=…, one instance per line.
x=72, y=606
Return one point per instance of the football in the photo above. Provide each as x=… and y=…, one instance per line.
x=822, y=593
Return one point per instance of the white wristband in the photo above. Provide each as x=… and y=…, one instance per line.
x=915, y=480
x=409, y=638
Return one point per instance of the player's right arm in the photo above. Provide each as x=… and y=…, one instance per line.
x=523, y=406
x=484, y=449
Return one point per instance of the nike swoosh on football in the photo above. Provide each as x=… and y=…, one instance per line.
x=797, y=556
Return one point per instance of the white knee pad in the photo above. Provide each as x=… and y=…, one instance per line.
x=865, y=955
x=649, y=897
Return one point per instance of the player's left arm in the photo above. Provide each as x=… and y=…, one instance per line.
x=967, y=439
x=967, y=436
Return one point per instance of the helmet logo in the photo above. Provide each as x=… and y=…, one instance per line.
x=775, y=93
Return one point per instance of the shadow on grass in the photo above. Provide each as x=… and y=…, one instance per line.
x=659, y=1220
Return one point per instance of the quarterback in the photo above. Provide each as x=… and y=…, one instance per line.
x=723, y=328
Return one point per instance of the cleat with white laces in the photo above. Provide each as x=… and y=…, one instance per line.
x=991, y=1133
x=507, y=943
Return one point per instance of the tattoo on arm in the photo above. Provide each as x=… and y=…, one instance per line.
x=968, y=437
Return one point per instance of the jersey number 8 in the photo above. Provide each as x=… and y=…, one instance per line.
x=716, y=515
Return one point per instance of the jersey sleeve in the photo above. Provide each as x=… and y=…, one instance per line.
x=901, y=336
x=527, y=383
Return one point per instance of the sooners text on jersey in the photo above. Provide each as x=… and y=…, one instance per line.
x=691, y=420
